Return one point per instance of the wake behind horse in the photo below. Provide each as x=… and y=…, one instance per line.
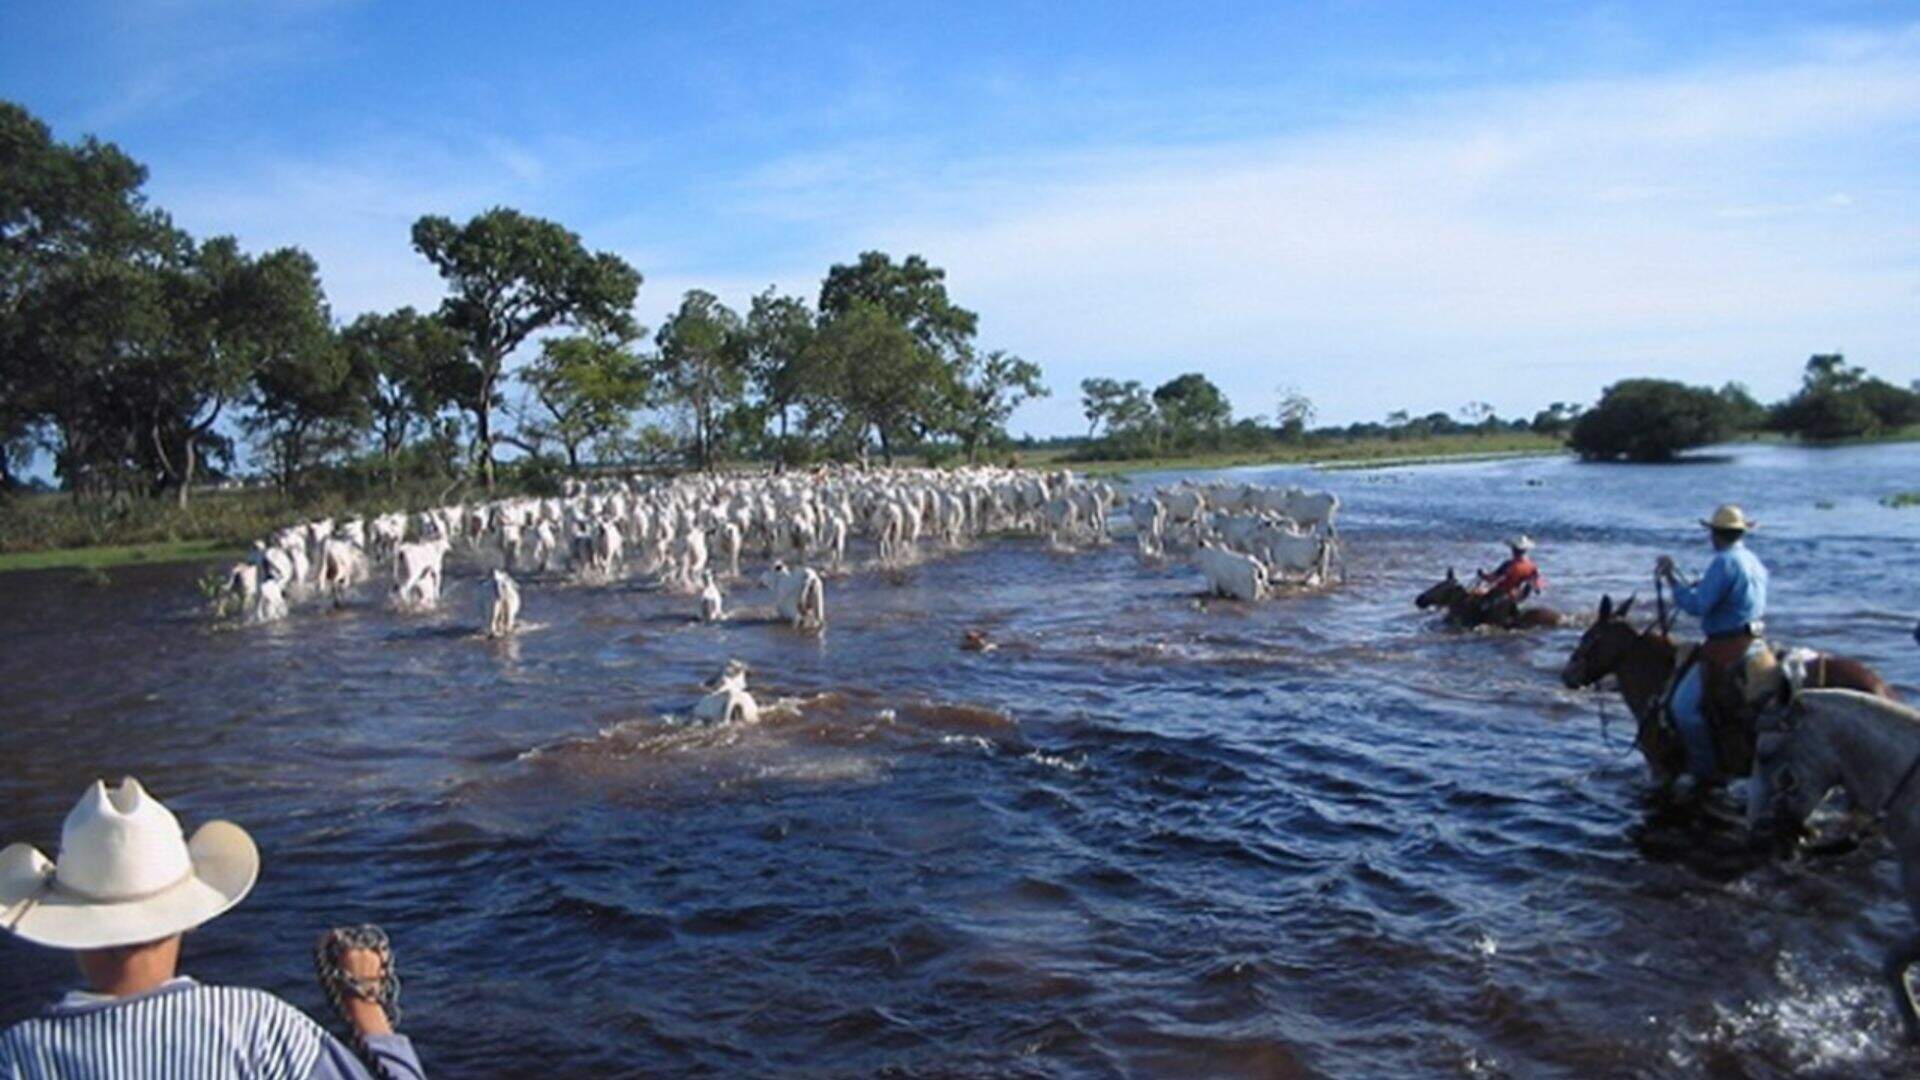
x=1467, y=610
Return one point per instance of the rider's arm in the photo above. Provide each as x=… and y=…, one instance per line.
x=1700, y=597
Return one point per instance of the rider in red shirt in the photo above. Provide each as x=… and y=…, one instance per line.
x=1516, y=579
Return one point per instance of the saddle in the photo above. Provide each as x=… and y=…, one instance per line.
x=1740, y=675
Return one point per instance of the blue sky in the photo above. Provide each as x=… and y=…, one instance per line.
x=1386, y=205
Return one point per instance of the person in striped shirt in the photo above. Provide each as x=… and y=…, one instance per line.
x=127, y=885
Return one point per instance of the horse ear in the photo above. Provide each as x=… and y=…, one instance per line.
x=1449, y=573
x=1606, y=606
x=1626, y=607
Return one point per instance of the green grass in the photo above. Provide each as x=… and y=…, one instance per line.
x=108, y=556
x=1901, y=499
x=1360, y=453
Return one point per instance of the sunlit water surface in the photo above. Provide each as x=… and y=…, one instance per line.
x=1147, y=836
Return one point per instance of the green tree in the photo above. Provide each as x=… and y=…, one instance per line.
x=589, y=385
x=879, y=380
x=776, y=346
x=1649, y=420
x=912, y=292
x=306, y=391
x=701, y=366
x=80, y=294
x=1101, y=401
x=994, y=387
x=513, y=275
x=1192, y=407
x=411, y=368
x=1557, y=418
x=1837, y=400
x=1294, y=414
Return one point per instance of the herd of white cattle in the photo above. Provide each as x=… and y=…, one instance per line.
x=691, y=532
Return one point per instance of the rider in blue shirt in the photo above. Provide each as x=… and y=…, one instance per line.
x=1730, y=599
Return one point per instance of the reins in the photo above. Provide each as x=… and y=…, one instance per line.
x=1898, y=788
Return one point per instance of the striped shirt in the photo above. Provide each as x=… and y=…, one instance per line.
x=187, y=1031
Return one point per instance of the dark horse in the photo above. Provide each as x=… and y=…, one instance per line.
x=1467, y=610
x=1642, y=662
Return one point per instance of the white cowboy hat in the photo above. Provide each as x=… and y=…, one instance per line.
x=126, y=874
x=1522, y=542
x=1731, y=518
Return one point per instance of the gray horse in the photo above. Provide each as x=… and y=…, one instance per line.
x=1870, y=747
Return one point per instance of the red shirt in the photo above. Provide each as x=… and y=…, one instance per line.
x=1514, y=573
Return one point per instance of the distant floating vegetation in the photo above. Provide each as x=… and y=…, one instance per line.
x=1901, y=499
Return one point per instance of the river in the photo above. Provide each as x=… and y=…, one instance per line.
x=1148, y=836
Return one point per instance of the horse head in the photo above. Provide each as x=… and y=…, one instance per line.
x=1442, y=593
x=1602, y=647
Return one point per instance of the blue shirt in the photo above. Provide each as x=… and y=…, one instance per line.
x=1731, y=594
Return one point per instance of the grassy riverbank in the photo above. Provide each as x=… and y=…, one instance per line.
x=108, y=556
x=41, y=531
x=1358, y=453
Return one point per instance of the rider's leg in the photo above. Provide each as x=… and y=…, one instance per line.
x=1692, y=722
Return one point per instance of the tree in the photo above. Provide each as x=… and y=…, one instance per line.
x=1192, y=406
x=81, y=254
x=883, y=382
x=304, y=380
x=1744, y=412
x=702, y=365
x=1294, y=414
x=1557, y=418
x=1840, y=401
x=775, y=344
x=589, y=384
x=1101, y=401
x=1649, y=420
x=994, y=387
x=411, y=367
x=913, y=293
x=513, y=275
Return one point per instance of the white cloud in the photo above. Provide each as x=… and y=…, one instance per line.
x=1517, y=245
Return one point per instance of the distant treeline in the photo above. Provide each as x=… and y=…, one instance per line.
x=135, y=355
x=1636, y=419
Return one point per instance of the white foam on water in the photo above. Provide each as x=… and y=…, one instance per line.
x=1821, y=1022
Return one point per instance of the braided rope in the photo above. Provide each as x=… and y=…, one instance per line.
x=339, y=985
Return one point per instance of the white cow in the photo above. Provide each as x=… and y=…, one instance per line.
x=608, y=547
x=499, y=604
x=798, y=595
x=712, y=604
x=342, y=566
x=270, y=602
x=243, y=584
x=416, y=573
x=1232, y=574
x=1149, y=525
x=727, y=700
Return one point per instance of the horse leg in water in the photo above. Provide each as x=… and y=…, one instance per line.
x=1899, y=959
x=1904, y=955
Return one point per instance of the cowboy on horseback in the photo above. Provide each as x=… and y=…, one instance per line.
x=1730, y=599
x=1510, y=583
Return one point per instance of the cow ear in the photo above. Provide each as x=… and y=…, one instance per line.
x=1626, y=607
x=1606, y=607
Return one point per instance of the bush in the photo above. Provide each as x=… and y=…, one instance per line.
x=1649, y=420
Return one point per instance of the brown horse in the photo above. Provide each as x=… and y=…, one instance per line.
x=1642, y=663
x=1465, y=609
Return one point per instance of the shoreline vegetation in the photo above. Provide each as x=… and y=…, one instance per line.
x=50, y=531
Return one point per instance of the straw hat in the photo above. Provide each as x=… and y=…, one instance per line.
x=1523, y=542
x=1730, y=518
x=126, y=874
